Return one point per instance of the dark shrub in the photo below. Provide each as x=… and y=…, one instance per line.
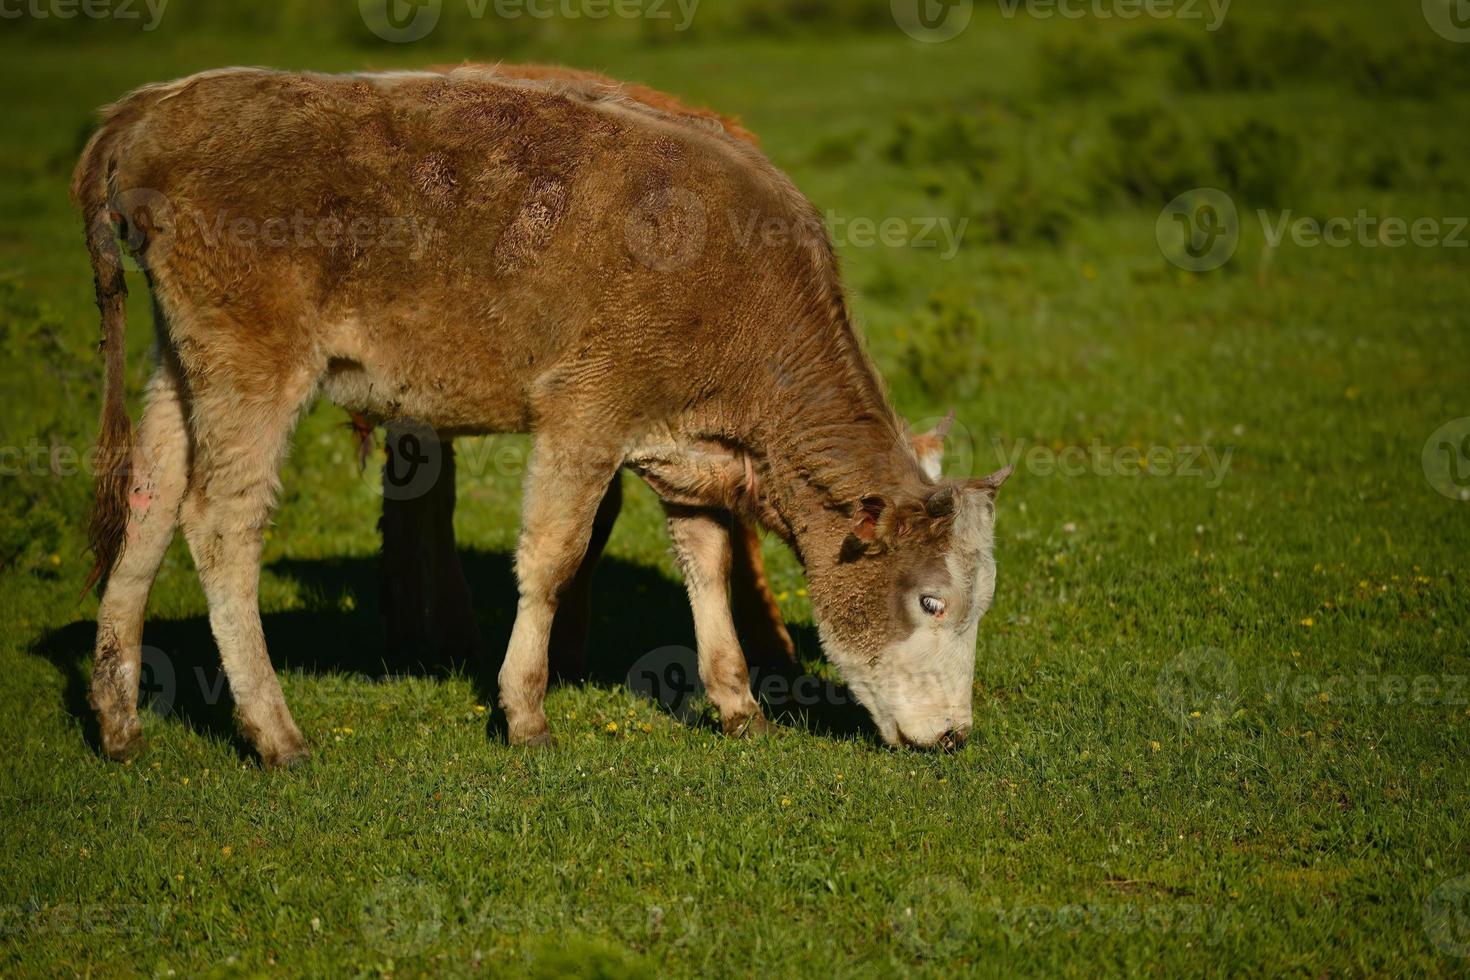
x=1072, y=66
x=1149, y=154
x=1225, y=60
x=1258, y=162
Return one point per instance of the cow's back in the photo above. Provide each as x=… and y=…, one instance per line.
x=481, y=232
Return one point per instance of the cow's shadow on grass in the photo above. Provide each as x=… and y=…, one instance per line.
x=638, y=618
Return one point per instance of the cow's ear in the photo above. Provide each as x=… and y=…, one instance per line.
x=929, y=447
x=868, y=526
x=867, y=517
x=988, y=485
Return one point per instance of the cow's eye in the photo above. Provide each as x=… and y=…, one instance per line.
x=933, y=605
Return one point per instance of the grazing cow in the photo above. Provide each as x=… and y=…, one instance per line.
x=584, y=279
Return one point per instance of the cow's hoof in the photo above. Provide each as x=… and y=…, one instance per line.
x=123, y=745
x=292, y=758
x=749, y=726
x=543, y=740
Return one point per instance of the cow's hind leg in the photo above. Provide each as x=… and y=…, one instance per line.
x=564, y=486
x=159, y=473
x=242, y=424
x=574, y=611
x=427, y=608
x=758, y=620
x=702, y=546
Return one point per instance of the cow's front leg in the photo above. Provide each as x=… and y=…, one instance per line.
x=565, y=483
x=702, y=546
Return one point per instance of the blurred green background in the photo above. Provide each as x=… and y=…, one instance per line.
x=1198, y=738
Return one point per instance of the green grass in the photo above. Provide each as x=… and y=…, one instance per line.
x=1092, y=824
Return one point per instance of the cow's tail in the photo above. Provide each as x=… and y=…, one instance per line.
x=91, y=190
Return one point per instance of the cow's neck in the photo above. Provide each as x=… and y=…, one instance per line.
x=831, y=438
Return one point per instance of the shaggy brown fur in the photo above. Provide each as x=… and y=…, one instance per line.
x=583, y=279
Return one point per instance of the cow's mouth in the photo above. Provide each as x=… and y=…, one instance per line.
x=951, y=741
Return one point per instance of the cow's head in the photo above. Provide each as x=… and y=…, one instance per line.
x=899, y=605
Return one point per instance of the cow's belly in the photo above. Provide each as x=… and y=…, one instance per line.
x=454, y=390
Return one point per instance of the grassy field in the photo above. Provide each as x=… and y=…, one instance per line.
x=1223, y=697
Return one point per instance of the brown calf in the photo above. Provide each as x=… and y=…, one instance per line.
x=583, y=280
